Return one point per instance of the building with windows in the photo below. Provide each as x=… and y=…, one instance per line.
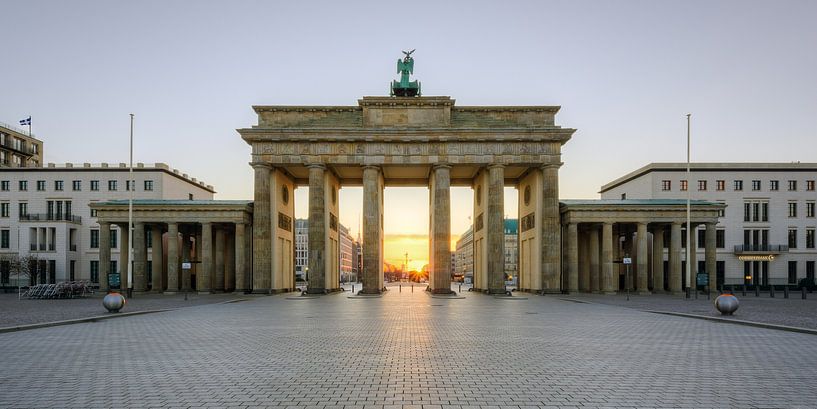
x=45, y=212
x=766, y=234
x=349, y=251
x=18, y=149
x=464, y=253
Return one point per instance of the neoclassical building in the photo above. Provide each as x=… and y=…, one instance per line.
x=413, y=141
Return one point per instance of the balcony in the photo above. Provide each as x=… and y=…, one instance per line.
x=761, y=248
x=46, y=217
x=22, y=148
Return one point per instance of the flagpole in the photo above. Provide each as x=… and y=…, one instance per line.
x=130, y=184
x=689, y=224
x=29, y=126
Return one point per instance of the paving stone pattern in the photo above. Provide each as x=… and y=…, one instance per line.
x=407, y=350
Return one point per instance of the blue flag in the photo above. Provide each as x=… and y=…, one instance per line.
x=26, y=121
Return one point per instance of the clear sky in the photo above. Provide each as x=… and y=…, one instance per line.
x=624, y=72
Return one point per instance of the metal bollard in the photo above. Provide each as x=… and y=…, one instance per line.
x=744, y=290
x=757, y=291
x=353, y=286
x=412, y=286
x=460, y=290
x=803, y=292
x=399, y=291
x=771, y=291
x=786, y=292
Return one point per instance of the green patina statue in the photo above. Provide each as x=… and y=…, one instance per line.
x=405, y=88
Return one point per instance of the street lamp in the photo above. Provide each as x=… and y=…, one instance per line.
x=689, y=217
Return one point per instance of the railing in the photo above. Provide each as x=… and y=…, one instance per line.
x=42, y=217
x=16, y=129
x=33, y=247
x=24, y=148
x=761, y=248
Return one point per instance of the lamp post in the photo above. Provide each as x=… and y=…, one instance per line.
x=130, y=186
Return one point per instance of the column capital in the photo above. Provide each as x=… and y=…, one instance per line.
x=101, y=223
x=551, y=165
x=375, y=167
x=496, y=165
x=316, y=166
x=440, y=166
x=261, y=165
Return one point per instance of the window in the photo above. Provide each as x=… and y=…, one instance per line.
x=809, y=209
x=41, y=185
x=76, y=185
x=774, y=184
x=755, y=185
x=128, y=185
x=792, y=209
x=738, y=185
x=720, y=184
x=4, y=185
x=94, y=271
x=810, y=185
x=94, y=185
x=701, y=185
x=58, y=185
x=701, y=239
x=764, y=215
x=792, y=272
x=722, y=212
x=148, y=185
x=23, y=185
x=792, y=185
x=94, y=238
x=93, y=212
x=810, y=269
x=111, y=185
x=720, y=239
x=747, y=212
x=4, y=209
x=22, y=209
x=5, y=239
x=623, y=196
x=683, y=185
x=189, y=196
x=148, y=238
x=809, y=238
x=666, y=185
x=113, y=239
x=755, y=212
x=792, y=238
x=113, y=265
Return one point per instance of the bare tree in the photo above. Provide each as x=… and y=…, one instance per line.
x=22, y=267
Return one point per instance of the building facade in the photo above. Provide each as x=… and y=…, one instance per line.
x=348, y=250
x=464, y=254
x=765, y=236
x=45, y=212
x=18, y=149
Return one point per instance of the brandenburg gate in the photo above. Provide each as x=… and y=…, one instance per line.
x=403, y=141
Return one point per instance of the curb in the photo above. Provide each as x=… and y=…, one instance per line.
x=78, y=320
x=738, y=322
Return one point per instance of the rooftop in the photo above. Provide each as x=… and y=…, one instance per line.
x=712, y=167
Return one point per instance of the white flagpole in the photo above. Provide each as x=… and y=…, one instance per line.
x=689, y=224
x=29, y=126
x=130, y=209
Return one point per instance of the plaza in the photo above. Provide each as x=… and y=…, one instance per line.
x=408, y=350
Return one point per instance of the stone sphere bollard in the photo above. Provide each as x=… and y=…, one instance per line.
x=726, y=304
x=113, y=302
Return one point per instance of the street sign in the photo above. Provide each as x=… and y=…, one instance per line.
x=186, y=266
x=702, y=279
x=627, y=260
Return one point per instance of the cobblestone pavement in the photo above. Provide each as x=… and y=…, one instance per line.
x=409, y=351
x=793, y=311
x=14, y=311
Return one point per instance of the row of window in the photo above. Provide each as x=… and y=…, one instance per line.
x=720, y=185
x=76, y=185
x=758, y=211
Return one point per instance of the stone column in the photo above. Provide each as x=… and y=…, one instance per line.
x=218, y=282
x=551, y=229
x=710, y=257
x=572, y=257
x=372, y=231
x=262, y=230
x=584, y=262
x=229, y=261
x=658, y=260
x=316, y=283
x=675, y=286
x=440, y=230
x=104, y=254
x=124, y=256
x=140, y=258
x=607, y=258
x=693, y=256
x=172, y=258
x=205, y=276
x=595, y=268
x=240, y=261
x=156, y=257
x=495, y=229
x=643, y=258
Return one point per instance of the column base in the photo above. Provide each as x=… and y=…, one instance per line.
x=442, y=291
x=496, y=291
x=264, y=291
x=317, y=290
x=168, y=292
x=370, y=292
x=204, y=292
x=644, y=292
x=610, y=293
